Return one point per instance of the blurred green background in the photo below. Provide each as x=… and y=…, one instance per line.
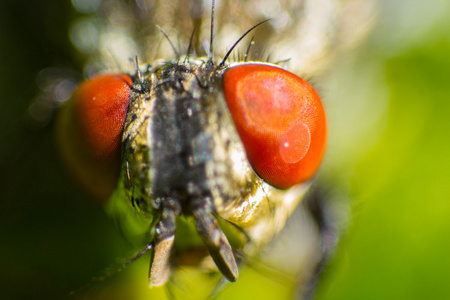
x=389, y=113
x=397, y=242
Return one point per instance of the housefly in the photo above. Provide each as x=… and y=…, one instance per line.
x=223, y=146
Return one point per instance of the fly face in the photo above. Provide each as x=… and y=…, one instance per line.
x=182, y=154
x=179, y=140
x=200, y=141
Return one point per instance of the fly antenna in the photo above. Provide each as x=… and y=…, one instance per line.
x=211, y=39
x=237, y=42
x=171, y=44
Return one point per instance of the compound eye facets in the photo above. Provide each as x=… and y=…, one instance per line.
x=280, y=120
x=90, y=130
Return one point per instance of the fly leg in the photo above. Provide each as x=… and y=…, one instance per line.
x=214, y=239
x=163, y=242
x=320, y=208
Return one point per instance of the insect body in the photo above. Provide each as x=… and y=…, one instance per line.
x=201, y=141
x=182, y=153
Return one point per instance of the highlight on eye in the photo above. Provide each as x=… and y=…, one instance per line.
x=280, y=119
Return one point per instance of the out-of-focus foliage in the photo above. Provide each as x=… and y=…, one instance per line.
x=397, y=242
x=389, y=109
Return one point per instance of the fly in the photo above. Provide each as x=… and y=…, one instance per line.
x=205, y=143
x=183, y=154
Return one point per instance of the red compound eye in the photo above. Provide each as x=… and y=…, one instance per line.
x=280, y=119
x=90, y=130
